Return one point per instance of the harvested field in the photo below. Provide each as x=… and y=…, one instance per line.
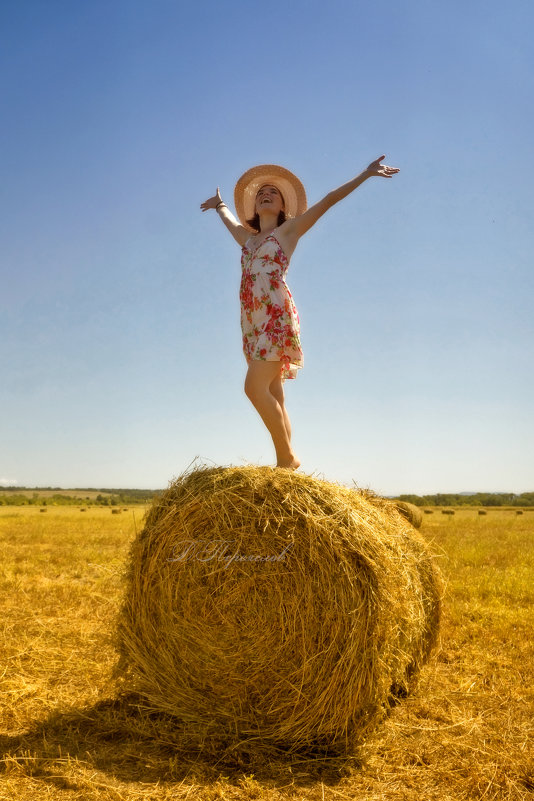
x=66, y=733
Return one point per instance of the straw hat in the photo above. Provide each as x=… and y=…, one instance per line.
x=289, y=185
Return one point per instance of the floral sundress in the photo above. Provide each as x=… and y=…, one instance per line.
x=269, y=317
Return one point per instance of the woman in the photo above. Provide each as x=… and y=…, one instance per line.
x=271, y=205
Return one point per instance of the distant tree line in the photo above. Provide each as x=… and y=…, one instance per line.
x=525, y=499
x=19, y=496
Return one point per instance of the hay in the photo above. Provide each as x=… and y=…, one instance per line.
x=264, y=603
x=411, y=512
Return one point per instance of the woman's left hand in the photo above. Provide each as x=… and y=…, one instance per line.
x=375, y=168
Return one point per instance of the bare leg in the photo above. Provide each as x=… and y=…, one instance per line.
x=276, y=389
x=260, y=375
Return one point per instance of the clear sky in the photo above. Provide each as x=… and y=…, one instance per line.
x=120, y=338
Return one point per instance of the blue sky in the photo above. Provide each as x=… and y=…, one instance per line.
x=121, y=345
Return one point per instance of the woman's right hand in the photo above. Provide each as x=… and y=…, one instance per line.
x=212, y=202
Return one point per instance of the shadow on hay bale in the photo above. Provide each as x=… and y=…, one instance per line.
x=270, y=605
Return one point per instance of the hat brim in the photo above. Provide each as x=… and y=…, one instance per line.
x=247, y=187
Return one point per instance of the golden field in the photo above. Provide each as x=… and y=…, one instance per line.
x=69, y=731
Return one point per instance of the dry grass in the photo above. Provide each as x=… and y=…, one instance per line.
x=465, y=734
x=412, y=513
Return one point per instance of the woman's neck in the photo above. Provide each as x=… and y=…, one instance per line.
x=268, y=222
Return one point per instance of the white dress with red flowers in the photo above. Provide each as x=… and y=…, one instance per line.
x=269, y=318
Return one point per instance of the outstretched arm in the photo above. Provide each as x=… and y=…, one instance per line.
x=299, y=225
x=239, y=232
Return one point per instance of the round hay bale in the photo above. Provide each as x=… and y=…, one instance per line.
x=482, y=512
x=412, y=513
x=409, y=511
x=264, y=603
x=429, y=511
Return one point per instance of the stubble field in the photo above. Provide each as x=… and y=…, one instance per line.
x=68, y=731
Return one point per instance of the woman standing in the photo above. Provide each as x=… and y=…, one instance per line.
x=271, y=206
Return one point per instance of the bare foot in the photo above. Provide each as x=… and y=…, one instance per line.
x=292, y=464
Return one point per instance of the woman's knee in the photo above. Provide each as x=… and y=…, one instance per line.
x=249, y=387
x=252, y=386
x=259, y=378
